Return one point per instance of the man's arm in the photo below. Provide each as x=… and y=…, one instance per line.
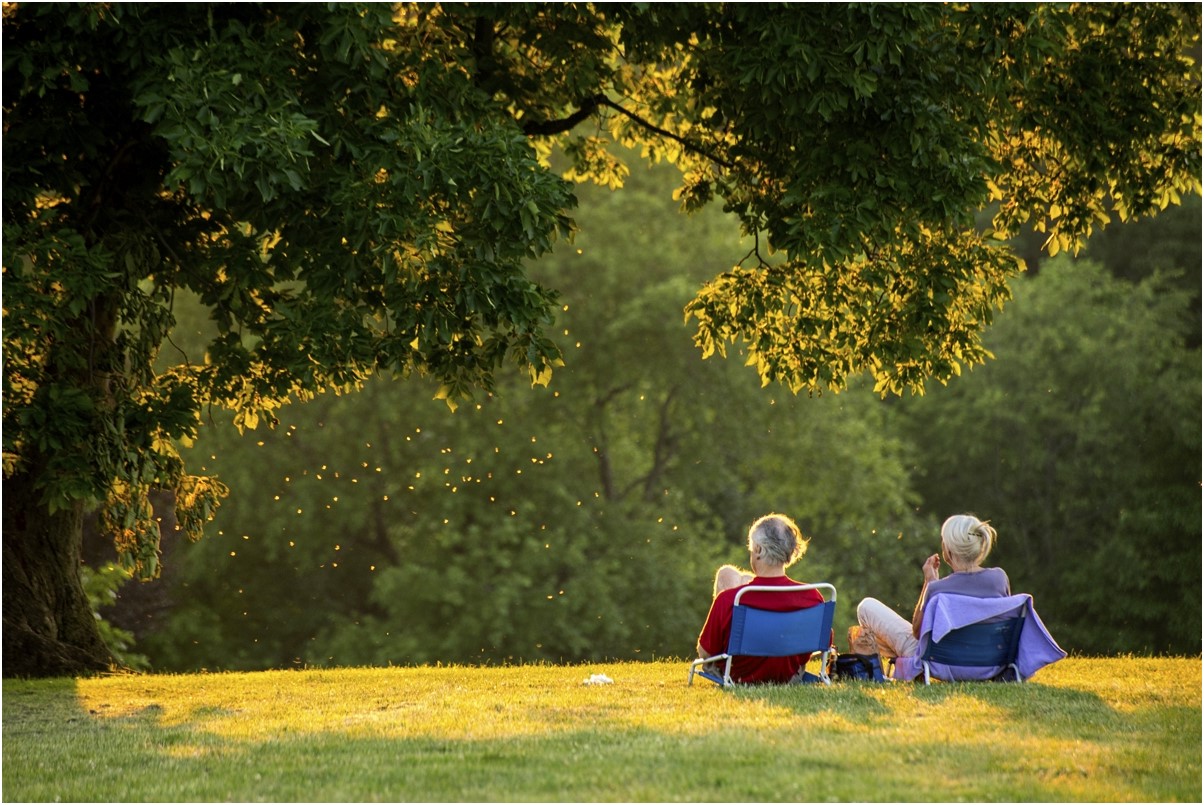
x=714, y=630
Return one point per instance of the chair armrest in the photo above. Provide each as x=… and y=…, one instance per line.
x=697, y=665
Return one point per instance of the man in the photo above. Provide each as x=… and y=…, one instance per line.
x=774, y=544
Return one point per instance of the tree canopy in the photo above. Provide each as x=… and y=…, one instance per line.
x=355, y=189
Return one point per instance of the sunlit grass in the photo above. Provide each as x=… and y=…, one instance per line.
x=1084, y=729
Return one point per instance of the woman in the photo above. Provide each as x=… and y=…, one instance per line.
x=965, y=543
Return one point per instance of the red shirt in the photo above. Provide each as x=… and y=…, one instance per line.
x=718, y=628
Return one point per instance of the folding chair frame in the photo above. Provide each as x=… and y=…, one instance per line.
x=766, y=633
x=980, y=645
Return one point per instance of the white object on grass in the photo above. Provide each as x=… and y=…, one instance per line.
x=598, y=679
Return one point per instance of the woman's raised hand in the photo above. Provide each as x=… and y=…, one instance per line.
x=932, y=568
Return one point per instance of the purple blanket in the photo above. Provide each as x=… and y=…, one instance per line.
x=946, y=612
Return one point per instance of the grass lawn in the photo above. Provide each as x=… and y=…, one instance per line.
x=1101, y=730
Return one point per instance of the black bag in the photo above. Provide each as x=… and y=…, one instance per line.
x=865, y=667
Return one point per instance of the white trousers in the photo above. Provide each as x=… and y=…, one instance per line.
x=891, y=630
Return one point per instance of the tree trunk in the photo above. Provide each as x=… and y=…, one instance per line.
x=49, y=629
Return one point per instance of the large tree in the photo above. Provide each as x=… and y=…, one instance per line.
x=354, y=189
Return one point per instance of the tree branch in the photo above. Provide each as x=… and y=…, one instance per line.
x=650, y=126
x=590, y=105
x=663, y=451
x=544, y=128
x=601, y=446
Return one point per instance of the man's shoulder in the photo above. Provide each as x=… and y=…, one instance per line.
x=786, y=600
x=809, y=593
x=772, y=581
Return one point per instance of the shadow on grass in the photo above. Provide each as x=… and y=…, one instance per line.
x=854, y=701
x=1052, y=711
x=191, y=762
x=1049, y=711
x=1031, y=708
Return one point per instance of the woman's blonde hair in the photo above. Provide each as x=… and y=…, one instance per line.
x=967, y=540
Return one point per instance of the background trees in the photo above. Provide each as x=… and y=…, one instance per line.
x=1079, y=441
x=1083, y=440
x=577, y=522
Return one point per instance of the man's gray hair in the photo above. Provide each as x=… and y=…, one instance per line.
x=780, y=539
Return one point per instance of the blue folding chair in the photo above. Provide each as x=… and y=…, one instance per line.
x=980, y=645
x=764, y=633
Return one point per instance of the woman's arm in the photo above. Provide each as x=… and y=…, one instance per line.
x=932, y=571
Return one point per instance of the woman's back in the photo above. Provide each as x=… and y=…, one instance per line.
x=989, y=582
